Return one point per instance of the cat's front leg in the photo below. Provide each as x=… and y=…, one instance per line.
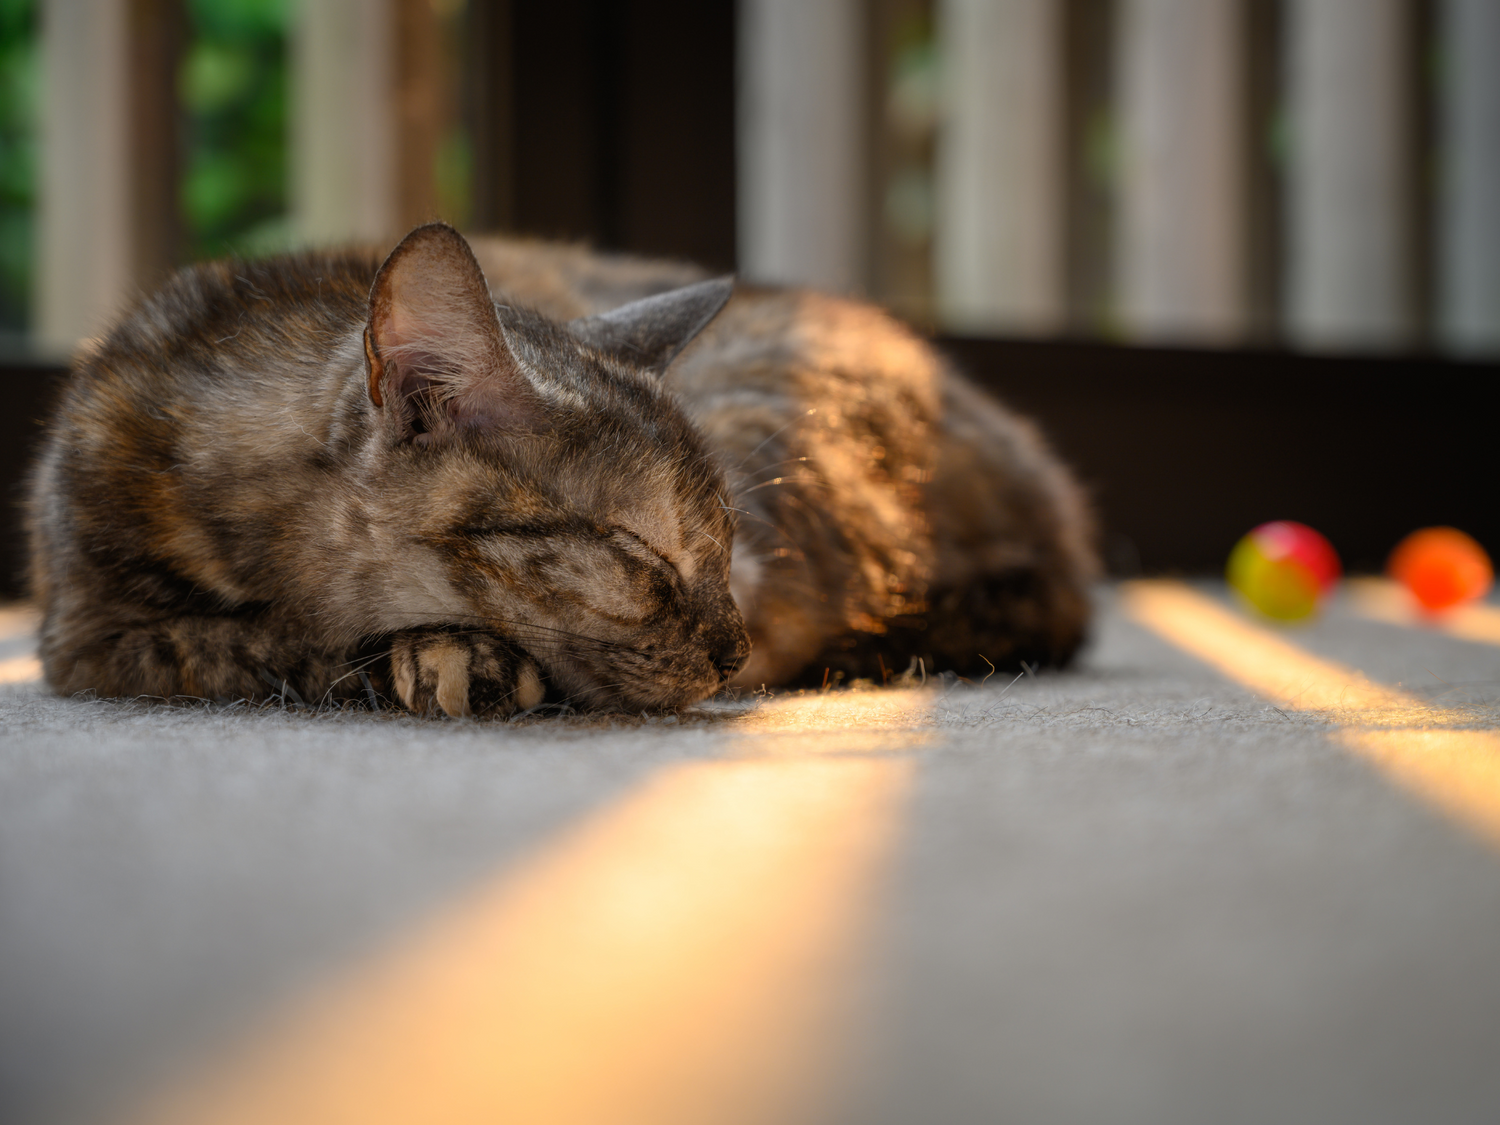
x=463, y=673
x=217, y=658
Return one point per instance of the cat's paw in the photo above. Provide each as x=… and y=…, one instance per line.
x=463, y=674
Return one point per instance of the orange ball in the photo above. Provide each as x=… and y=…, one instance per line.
x=1442, y=567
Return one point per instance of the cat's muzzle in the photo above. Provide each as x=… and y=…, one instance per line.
x=730, y=662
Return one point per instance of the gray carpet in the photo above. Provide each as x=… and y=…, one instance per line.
x=1132, y=892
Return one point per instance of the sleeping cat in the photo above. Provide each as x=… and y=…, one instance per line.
x=594, y=479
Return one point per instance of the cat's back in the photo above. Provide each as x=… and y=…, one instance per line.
x=870, y=477
x=768, y=342
x=182, y=416
x=214, y=321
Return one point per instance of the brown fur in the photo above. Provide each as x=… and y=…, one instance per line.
x=890, y=510
x=306, y=478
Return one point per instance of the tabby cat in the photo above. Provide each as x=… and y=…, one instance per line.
x=592, y=479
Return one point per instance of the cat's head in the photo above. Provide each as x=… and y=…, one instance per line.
x=539, y=483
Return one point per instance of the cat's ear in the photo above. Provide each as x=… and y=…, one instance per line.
x=650, y=332
x=437, y=360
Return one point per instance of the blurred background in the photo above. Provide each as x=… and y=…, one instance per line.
x=1240, y=257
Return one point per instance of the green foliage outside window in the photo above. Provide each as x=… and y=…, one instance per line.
x=233, y=90
x=19, y=97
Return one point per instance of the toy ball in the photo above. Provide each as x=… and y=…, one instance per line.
x=1284, y=569
x=1442, y=567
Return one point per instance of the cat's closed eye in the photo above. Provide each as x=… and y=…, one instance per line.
x=638, y=547
x=513, y=529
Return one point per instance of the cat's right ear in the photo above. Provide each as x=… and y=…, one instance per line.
x=649, y=333
x=436, y=358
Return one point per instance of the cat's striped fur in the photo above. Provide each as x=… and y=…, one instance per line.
x=303, y=477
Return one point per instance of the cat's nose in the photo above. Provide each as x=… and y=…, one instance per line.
x=729, y=662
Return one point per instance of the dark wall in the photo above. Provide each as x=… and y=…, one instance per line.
x=28, y=391
x=1184, y=451
x=610, y=121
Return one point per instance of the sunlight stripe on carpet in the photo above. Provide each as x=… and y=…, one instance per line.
x=18, y=621
x=18, y=625
x=690, y=954
x=1382, y=600
x=1417, y=745
x=20, y=670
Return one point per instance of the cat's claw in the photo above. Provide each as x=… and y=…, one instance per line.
x=463, y=674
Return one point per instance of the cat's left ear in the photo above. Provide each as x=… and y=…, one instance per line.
x=650, y=332
x=437, y=360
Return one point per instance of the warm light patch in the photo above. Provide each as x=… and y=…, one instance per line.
x=688, y=955
x=18, y=623
x=1415, y=744
x=1457, y=770
x=841, y=722
x=1264, y=662
x=1382, y=600
x=20, y=670
x=834, y=711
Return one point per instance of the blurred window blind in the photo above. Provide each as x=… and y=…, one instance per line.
x=1314, y=173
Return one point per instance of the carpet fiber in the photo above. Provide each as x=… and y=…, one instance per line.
x=1152, y=889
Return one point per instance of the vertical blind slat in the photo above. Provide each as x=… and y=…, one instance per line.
x=999, y=250
x=1349, y=177
x=1469, y=214
x=801, y=142
x=1182, y=266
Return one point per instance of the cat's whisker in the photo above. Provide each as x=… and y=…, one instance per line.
x=792, y=499
x=771, y=466
x=775, y=527
x=353, y=672
x=810, y=481
x=503, y=625
x=549, y=633
x=772, y=483
x=775, y=434
x=362, y=662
